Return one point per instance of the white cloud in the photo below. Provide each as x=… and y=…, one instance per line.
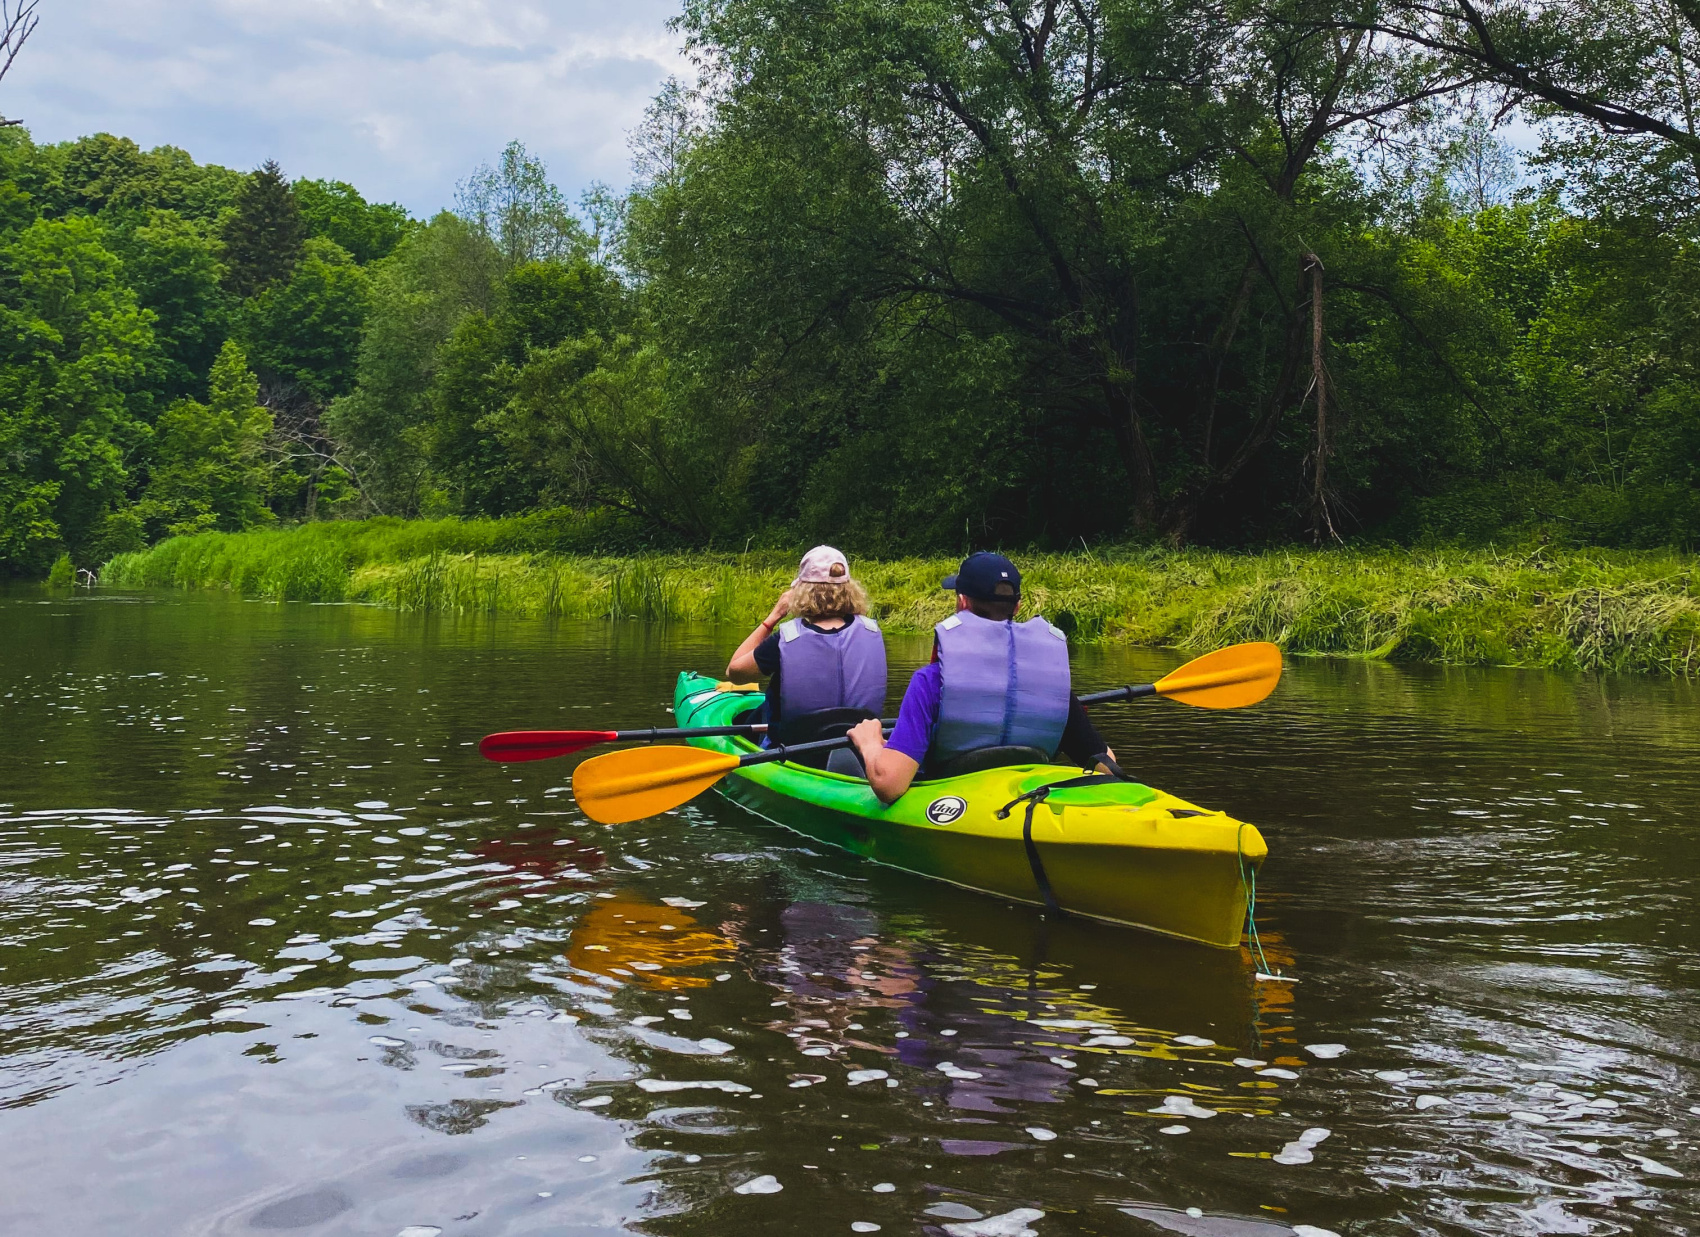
x=400, y=97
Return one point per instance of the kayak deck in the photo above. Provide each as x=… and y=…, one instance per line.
x=1122, y=853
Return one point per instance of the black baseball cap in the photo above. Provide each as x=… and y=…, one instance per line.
x=987, y=577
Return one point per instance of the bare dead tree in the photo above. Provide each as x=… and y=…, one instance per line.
x=17, y=22
x=298, y=435
x=1321, y=522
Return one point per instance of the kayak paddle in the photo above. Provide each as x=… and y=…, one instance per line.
x=1229, y=678
x=637, y=782
x=645, y=781
x=515, y=745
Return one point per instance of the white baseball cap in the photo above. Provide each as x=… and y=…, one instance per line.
x=823, y=565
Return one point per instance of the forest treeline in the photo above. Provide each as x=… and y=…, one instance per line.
x=916, y=276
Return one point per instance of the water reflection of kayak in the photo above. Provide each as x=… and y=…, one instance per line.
x=1147, y=982
x=995, y=1032
x=1121, y=851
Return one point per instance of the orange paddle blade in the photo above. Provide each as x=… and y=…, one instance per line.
x=1229, y=678
x=642, y=781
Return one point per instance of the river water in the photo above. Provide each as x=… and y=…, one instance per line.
x=282, y=955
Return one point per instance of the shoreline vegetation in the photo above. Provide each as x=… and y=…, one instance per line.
x=1578, y=609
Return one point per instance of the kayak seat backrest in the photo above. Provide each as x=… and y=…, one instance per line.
x=820, y=724
x=983, y=758
x=845, y=760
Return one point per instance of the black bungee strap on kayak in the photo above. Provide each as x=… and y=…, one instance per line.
x=1033, y=799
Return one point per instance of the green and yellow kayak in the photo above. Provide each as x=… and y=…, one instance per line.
x=1119, y=852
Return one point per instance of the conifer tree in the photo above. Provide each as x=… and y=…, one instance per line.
x=263, y=239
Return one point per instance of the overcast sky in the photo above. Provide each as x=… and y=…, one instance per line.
x=402, y=98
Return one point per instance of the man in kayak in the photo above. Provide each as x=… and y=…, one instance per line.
x=826, y=666
x=997, y=692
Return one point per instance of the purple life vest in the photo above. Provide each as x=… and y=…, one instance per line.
x=1002, y=685
x=843, y=669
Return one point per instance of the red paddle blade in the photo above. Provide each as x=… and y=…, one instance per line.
x=511, y=745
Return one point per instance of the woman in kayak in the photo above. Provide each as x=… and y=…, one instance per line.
x=829, y=657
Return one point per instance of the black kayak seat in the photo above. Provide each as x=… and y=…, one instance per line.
x=810, y=727
x=983, y=758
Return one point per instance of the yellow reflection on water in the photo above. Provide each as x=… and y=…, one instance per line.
x=646, y=944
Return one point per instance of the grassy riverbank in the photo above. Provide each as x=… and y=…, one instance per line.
x=1585, y=609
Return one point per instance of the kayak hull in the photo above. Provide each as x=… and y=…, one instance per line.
x=1120, y=853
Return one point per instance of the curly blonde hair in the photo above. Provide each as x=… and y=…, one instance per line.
x=830, y=599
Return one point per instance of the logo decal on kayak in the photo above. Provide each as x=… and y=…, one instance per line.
x=947, y=810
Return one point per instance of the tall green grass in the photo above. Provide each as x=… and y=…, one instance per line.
x=314, y=562
x=1582, y=609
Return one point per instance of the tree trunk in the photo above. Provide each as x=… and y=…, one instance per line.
x=1129, y=434
x=1321, y=522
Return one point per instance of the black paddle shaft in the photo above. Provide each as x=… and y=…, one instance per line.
x=1133, y=692
x=693, y=732
x=685, y=732
x=795, y=749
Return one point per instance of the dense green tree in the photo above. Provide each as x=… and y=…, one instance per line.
x=116, y=179
x=173, y=266
x=210, y=466
x=17, y=208
x=76, y=354
x=600, y=423
x=306, y=330
x=473, y=380
x=1064, y=237
x=1526, y=368
x=479, y=366
x=263, y=237
x=1116, y=202
x=438, y=275
x=335, y=210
